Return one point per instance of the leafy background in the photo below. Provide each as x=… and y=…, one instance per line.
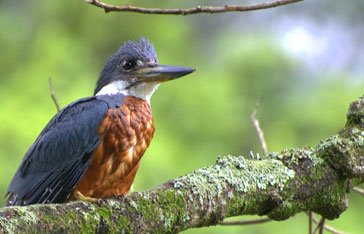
x=303, y=60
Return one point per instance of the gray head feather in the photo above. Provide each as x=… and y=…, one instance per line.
x=131, y=50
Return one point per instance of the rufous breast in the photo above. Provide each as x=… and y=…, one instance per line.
x=125, y=133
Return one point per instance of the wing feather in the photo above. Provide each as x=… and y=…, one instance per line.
x=59, y=156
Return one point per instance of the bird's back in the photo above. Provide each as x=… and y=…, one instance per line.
x=59, y=156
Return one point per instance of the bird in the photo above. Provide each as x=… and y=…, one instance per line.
x=91, y=149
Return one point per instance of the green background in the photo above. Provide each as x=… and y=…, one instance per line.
x=305, y=82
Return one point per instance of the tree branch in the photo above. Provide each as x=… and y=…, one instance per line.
x=245, y=222
x=279, y=186
x=188, y=11
x=359, y=190
x=327, y=227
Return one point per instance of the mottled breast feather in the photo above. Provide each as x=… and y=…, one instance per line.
x=125, y=132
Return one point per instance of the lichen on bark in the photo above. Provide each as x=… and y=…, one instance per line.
x=278, y=185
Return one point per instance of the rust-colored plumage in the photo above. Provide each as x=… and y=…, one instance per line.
x=125, y=133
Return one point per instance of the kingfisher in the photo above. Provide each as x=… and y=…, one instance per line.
x=92, y=148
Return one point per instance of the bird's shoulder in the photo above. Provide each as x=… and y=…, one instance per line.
x=94, y=103
x=73, y=131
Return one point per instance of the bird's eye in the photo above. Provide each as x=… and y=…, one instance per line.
x=128, y=65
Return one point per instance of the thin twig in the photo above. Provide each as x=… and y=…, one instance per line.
x=322, y=225
x=187, y=11
x=53, y=94
x=319, y=223
x=255, y=121
x=359, y=190
x=245, y=222
x=327, y=227
x=310, y=222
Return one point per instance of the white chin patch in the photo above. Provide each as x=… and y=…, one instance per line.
x=143, y=90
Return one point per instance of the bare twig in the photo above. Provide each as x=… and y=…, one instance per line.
x=327, y=227
x=320, y=225
x=245, y=222
x=188, y=11
x=53, y=94
x=259, y=130
x=359, y=190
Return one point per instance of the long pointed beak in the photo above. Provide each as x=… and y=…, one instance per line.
x=162, y=73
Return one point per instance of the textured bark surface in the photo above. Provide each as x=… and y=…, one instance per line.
x=278, y=185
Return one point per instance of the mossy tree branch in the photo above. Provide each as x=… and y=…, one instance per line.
x=278, y=186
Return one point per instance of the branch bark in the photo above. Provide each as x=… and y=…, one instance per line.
x=278, y=186
x=188, y=11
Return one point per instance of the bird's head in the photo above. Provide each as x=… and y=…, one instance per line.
x=134, y=70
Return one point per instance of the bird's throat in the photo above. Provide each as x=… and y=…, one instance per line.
x=142, y=90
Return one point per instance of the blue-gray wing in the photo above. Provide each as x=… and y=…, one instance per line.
x=60, y=155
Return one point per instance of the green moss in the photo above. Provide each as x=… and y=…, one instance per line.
x=355, y=115
x=174, y=207
x=237, y=206
x=6, y=226
x=115, y=225
x=344, y=151
x=123, y=226
x=284, y=211
x=248, y=179
x=71, y=216
x=242, y=174
x=48, y=218
x=104, y=212
x=293, y=157
x=146, y=207
x=27, y=216
x=312, y=171
x=162, y=210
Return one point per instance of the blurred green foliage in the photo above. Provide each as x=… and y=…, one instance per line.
x=197, y=118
